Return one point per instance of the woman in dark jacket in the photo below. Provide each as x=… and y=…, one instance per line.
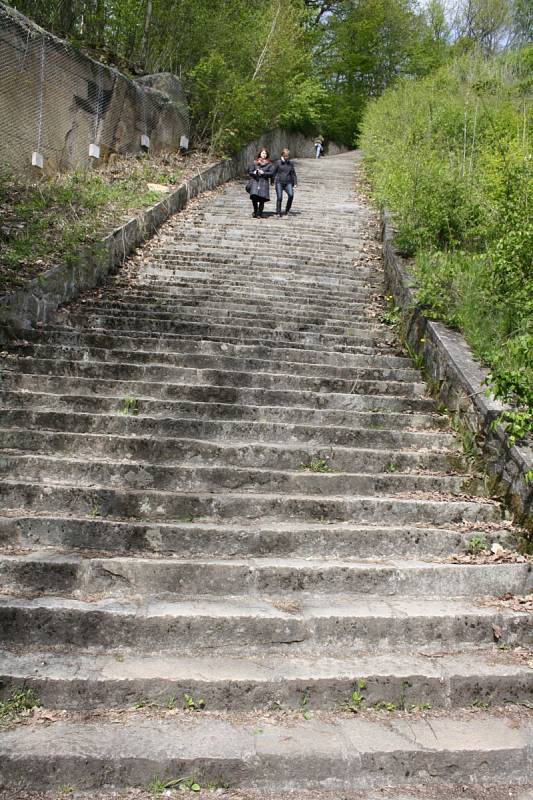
x=285, y=181
x=260, y=173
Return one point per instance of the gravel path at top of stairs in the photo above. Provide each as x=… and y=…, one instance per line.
x=224, y=484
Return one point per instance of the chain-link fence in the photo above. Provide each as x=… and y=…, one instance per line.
x=60, y=108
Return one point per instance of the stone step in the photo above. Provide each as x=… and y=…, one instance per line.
x=146, y=288
x=306, y=342
x=244, y=538
x=139, y=297
x=198, y=361
x=356, y=334
x=326, y=295
x=437, y=791
x=262, y=625
x=168, y=342
x=86, y=681
x=39, y=574
x=290, y=415
x=231, y=395
x=59, y=469
x=174, y=506
x=358, y=323
x=153, y=451
x=270, y=754
x=306, y=269
x=256, y=285
x=273, y=314
x=228, y=430
x=190, y=347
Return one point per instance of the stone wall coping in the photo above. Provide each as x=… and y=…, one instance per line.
x=461, y=380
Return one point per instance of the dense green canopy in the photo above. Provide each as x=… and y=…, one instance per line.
x=306, y=64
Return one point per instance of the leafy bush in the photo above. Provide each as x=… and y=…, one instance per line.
x=450, y=155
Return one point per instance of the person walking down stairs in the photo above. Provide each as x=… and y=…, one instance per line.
x=260, y=173
x=319, y=146
x=284, y=180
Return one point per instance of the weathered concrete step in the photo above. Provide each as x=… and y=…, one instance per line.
x=169, y=343
x=227, y=430
x=66, y=337
x=223, y=276
x=78, y=681
x=308, y=270
x=39, y=574
x=344, y=753
x=360, y=622
x=256, y=287
x=437, y=791
x=359, y=322
x=271, y=314
x=145, y=287
x=228, y=250
x=355, y=335
x=307, y=341
x=244, y=538
x=90, y=404
x=59, y=469
x=361, y=381
x=217, y=394
x=329, y=296
x=176, y=376
x=167, y=300
x=151, y=505
x=153, y=451
x=198, y=361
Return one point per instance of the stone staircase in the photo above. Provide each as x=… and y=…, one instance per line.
x=223, y=478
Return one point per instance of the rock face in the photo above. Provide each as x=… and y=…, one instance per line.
x=169, y=85
x=223, y=479
x=56, y=101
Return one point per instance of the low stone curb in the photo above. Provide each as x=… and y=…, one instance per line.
x=36, y=302
x=459, y=379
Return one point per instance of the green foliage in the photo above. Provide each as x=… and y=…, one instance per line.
x=158, y=785
x=53, y=219
x=130, y=406
x=450, y=155
x=369, y=44
x=18, y=702
x=191, y=704
x=318, y=465
x=357, y=698
x=476, y=545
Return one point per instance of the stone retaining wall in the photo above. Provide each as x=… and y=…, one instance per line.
x=459, y=381
x=58, y=102
x=36, y=302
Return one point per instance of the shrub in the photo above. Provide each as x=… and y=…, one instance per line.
x=450, y=155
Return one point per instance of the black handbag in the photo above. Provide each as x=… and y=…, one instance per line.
x=248, y=187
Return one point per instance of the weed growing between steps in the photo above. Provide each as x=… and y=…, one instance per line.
x=48, y=221
x=19, y=703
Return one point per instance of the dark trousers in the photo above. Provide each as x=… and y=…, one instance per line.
x=280, y=188
x=258, y=205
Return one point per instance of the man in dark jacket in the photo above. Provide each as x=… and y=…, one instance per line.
x=285, y=181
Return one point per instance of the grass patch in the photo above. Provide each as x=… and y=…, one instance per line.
x=19, y=702
x=54, y=220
